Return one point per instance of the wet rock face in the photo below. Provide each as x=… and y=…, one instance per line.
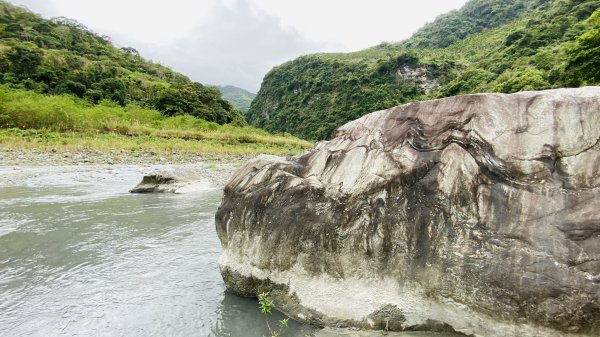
x=478, y=213
x=181, y=181
x=153, y=183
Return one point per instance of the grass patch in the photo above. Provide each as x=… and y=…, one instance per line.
x=29, y=120
x=50, y=141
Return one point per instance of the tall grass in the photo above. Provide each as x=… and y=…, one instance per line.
x=29, y=110
x=63, y=120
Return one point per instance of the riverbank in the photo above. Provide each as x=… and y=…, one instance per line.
x=164, y=143
x=85, y=156
x=19, y=166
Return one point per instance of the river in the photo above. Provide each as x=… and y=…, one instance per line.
x=80, y=256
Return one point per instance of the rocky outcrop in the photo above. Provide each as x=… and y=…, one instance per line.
x=420, y=76
x=476, y=213
x=171, y=182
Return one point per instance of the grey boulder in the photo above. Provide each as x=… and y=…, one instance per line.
x=181, y=181
x=478, y=214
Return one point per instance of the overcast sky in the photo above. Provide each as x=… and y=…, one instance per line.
x=238, y=41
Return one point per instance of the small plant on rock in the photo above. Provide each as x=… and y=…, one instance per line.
x=266, y=306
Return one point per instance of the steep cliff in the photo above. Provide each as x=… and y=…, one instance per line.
x=478, y=213
x=486, y=46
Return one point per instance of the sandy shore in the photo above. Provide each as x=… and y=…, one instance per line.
x=17, y=167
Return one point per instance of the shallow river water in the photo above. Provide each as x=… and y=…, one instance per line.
x=79, y=256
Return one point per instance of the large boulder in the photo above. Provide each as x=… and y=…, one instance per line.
x=476, y=213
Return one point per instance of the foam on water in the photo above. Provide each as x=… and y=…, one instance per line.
x=81, y=256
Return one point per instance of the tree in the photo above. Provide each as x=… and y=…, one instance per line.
x=521, y=79
x=583, y=63
x=197, y=100
x=71, y=87
x=114, y=89
x=24, y=59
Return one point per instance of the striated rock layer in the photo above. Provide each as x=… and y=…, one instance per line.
x=478, y=213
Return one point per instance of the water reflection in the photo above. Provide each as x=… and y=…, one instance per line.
x=241, y=317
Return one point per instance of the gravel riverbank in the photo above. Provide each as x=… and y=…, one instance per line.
x=18, y=166
x=86, y=157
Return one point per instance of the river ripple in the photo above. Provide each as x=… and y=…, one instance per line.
x=79, y=256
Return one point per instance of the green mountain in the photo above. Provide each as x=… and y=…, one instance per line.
x=61, y=56
x=239, y=97
x=486, y=46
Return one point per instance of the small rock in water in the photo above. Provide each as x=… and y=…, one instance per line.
x=171, y=182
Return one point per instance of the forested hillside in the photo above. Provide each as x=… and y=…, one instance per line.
x=486, y=46
x=62, y=56
x=239, y=97
x=63, y=88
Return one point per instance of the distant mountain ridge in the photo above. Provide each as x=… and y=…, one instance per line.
x=62, y=56
x=239, y=97
x=486, y=46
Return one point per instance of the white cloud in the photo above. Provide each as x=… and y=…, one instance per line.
x=238, y=44
x=238, y=41
x=36, y=6
x=357, y=24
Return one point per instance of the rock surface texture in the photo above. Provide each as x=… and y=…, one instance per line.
x=476, y=213
x=181, y=181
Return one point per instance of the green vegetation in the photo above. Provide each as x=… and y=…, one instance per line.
x=62, y=122
x=239, y=97
x=474, y=17
x=62, y=56
x=62, y=87
x=583, y=56
x=487, y=46
x=266, y=306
